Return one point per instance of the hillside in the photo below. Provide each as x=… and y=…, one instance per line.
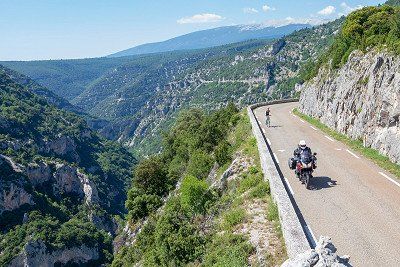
x=225, y=217
x=142, y=95
x=213, y=37
x=62, y=186
x=355, y=92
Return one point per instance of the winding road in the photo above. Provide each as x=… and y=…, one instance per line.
x=352, y=200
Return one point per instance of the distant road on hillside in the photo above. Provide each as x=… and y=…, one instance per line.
x=352, y=200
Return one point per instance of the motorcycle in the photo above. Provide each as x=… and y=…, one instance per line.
x=304, y=166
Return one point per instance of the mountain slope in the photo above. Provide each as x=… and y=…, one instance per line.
x=142, y=95
x=61, y=184
x=37, y=89
x=355, y=91
x=213, y=37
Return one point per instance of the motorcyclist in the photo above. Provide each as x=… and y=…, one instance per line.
x=302, y=148
x=267, y=117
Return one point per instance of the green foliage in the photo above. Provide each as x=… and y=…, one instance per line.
x=393, y=2
x=195, y=195
x=141, y=204
x=151, y=177
x=223, y=153
x=60, y=221
x=363, y=29
x=233, y=218
x=177, y=240
x=261, y=190
x=272, y=213
x=200, y=164
x=228, y=250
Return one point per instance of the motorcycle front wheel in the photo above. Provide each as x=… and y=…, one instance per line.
x=307, y=180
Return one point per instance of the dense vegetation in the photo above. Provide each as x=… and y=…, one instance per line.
x=393, y=2
x=29, y=130
x=142, y=95
x=364, y=29
x=197, y=224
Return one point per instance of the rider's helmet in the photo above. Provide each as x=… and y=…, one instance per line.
x=302, y=144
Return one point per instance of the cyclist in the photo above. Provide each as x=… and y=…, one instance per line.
x=267, y=117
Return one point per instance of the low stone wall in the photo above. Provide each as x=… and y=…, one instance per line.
x=295, y=238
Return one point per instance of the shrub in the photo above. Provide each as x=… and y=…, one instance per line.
x=233, y=217
x=151, y=177
x=272, y=213
x=200, y=164
x=228, y=250
x=194, y=195
x=176, y=239
x=223, y=153
x=142, y=205
x=261, y=190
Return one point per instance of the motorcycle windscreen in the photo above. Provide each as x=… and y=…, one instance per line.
x=306, y=157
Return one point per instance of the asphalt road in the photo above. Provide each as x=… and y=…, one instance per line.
x=352, y=200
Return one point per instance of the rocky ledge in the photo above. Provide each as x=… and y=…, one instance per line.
x=360, y=100
x=35, y=253
x=324, y=255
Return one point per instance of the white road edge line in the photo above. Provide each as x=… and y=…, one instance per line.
x=290, y=187
x=338, y=149
x=269, y=142
x=390, y=179
x=315, y=129
x=354, y=155
x=312, y=234
x=276, y=158
x=264, y=131
x=330, y=139
x=302, y=121
x=293, y=115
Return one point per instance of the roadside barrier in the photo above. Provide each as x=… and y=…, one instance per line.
x=294, y=228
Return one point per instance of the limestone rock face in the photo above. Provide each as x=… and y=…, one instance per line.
x=38, y=173
x=35, y=253
x=62, y=146
x=324, y=255
x=12, y=192
x=68, y=180
x=13, y=195
x=360, y=100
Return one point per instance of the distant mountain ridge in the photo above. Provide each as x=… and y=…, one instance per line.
x=213, y=37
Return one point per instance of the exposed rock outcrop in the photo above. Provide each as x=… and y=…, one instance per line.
x=13, y=195
x=62, y=146
x=360, y=100
x=68, y=180
x=324, y=255
x=38, y=173
x=12, y=186
x=35, y=253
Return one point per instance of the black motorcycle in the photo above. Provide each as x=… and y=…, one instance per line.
x=304, y=166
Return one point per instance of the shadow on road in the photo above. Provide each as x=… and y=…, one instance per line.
x=322, y=182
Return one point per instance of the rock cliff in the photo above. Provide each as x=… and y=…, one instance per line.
x=35, y=253
x=360, y=100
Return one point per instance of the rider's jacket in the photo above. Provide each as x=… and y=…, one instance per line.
x=298, y=151
x=267, y=113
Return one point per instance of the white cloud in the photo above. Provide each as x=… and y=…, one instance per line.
x=250, y=10
x=267, y=8
x=290, y=20
x=200, y=18
x=329, y=10
x=346, y=9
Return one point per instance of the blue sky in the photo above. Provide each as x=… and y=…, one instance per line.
x=54, y=29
